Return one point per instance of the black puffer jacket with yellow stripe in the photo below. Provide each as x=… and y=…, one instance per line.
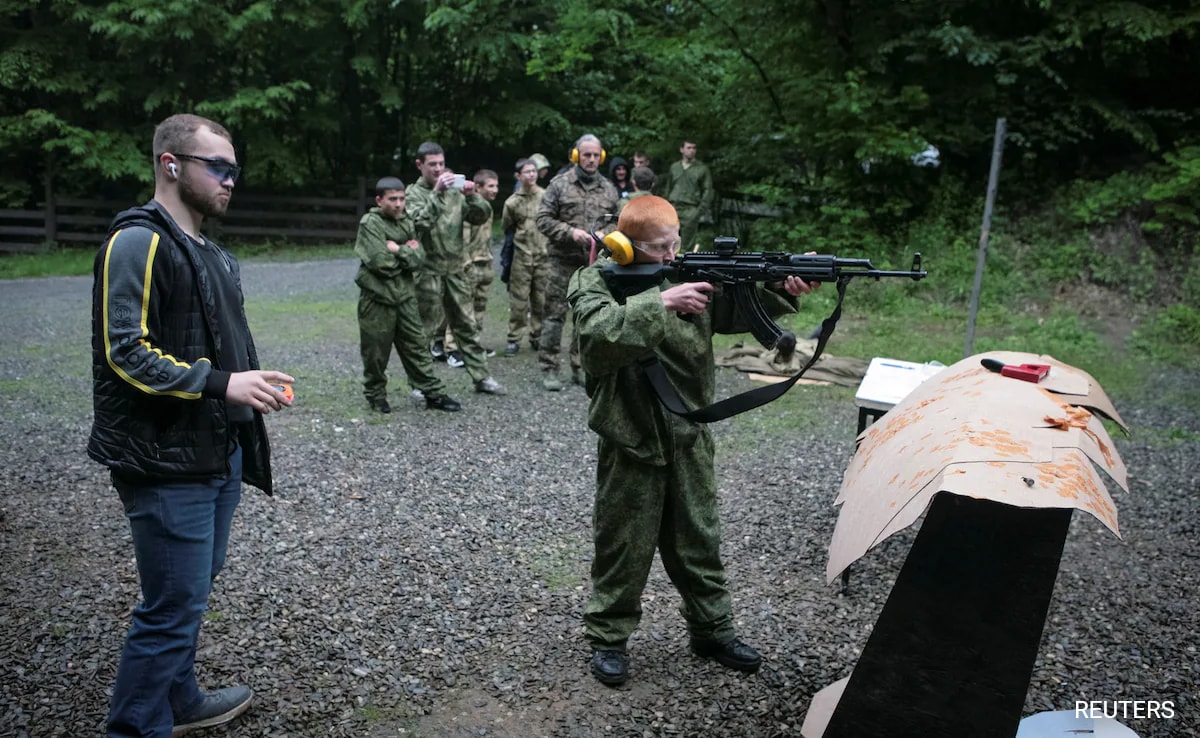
x=158, y=388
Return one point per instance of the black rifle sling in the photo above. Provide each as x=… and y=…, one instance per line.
x=748, y=400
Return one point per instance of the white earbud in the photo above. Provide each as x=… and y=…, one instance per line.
x=173, y=169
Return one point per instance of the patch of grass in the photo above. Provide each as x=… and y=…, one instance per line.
x=804, y=409
x=54, y=262
x=557, y=566
x=283, y=251
x=57, y=261
x=1166, y=437
x=922, y=321
x=398, y=718
x=301, y=321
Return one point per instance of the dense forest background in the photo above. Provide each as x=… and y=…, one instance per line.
x=820, y=108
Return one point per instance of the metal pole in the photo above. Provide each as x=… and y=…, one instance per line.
x=993, y=177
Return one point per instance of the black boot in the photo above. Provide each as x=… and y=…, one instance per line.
x=442, y=402
x=610, y=667
x=732, y=653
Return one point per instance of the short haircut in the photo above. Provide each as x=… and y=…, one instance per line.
x=522, y=163
x=388, y=183
x=483, y=175
x=588, y=138
x=643, y=178
x=428, y=148
x=643, y=217
x=175, y=134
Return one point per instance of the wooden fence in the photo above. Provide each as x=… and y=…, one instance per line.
x=70, y=221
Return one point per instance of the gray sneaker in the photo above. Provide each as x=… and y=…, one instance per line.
x=216, y=708
x=551, y=382
x=489, y=386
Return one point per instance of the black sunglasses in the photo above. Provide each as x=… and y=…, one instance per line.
x=218, y=168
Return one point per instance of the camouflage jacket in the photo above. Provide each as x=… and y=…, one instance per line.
x=520, y=215
x=691, y=187
x=439, y=217
x=568, y=203
x=612, y=337
x=387, y=277
x=477, y=239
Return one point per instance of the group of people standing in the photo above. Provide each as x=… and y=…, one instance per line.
x=442, y=277
x=179, y=396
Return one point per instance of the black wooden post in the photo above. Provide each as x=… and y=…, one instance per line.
x=51, y=224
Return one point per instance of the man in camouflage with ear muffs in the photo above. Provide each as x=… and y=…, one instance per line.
x=579, y=202
x=655, y=485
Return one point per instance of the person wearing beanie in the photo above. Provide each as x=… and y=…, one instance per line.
x=655, y=484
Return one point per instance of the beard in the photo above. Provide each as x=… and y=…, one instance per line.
x=210, y=206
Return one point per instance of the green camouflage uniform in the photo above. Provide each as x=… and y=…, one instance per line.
x=387, y=306
x=573, y=200
x=691, y=192
x=444, y=290
x=633, y=196
x=527, y=278
x=478, y=241
x=655, y=484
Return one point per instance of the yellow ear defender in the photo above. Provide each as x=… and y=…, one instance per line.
x=575, y=155
x=620, y=247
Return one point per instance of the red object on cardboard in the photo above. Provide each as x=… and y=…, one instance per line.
x=1027, y=372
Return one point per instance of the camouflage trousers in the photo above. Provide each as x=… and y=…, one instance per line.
x=449, y=298
x=481, y=275
x=689, y=227
x=527, y=296
x=554, y=317
x=640, y=507
x=380, y=327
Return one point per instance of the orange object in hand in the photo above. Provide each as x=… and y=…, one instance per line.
x=286, y=389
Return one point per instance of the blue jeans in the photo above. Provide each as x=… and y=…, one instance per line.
x=180, y=532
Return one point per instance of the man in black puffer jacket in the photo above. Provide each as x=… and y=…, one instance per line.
x=179, y=400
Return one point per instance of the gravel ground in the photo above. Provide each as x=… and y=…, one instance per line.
x=424, y=574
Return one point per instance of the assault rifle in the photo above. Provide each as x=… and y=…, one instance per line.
x=740, y=271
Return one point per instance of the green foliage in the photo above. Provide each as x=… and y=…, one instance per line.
x=1093, y=203
x=813, y=108
x=1172, y=336
x=1176, y=193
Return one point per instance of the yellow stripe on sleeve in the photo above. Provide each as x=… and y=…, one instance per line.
x=145, y=331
